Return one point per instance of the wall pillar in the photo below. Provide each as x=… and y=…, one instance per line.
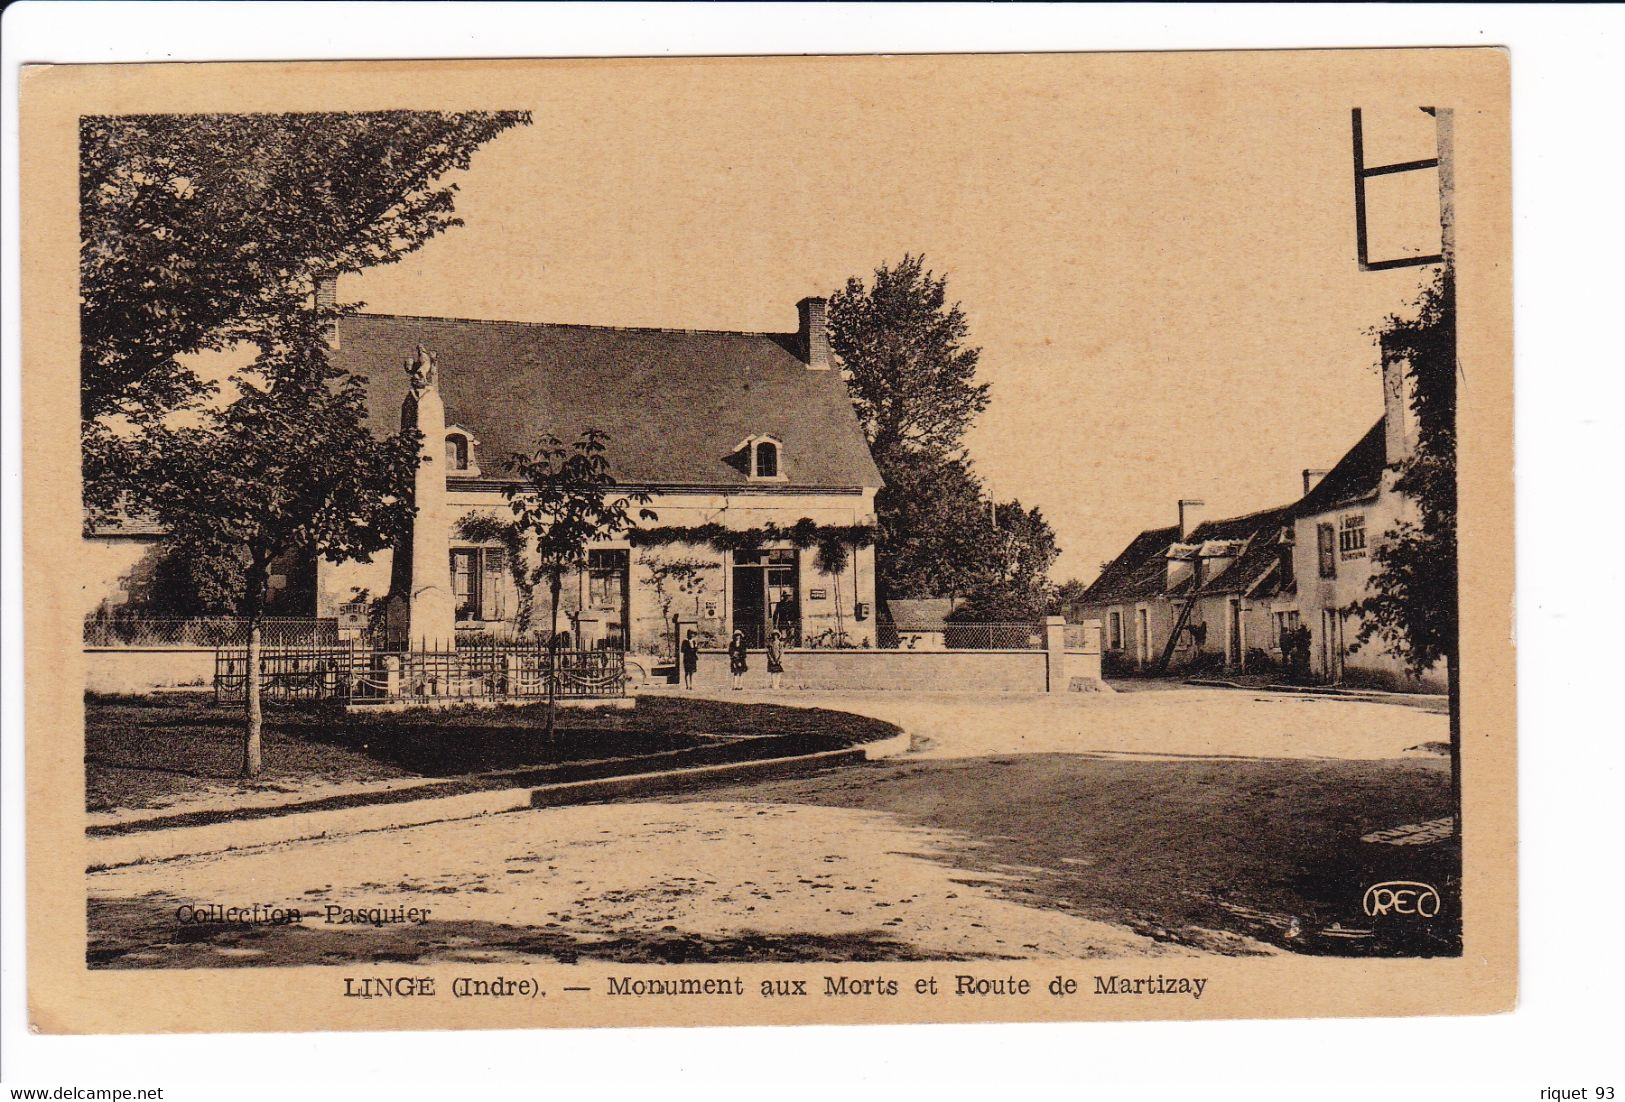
x=1055, y=652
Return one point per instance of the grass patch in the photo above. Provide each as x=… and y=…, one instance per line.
x=152, y=751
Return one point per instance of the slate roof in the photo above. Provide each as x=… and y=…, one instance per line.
x=121, y=522
x=1261, y=554
x=675, y=403
x=1356, y=477
x=1141, y=570
x=921, y=613
x=1138, y=570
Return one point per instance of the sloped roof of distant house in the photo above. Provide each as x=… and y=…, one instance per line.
x=1356, y=477
x=1141, y=571
x=121, y=522
x=922, y=613
x=1260, y=557
x=675, y=403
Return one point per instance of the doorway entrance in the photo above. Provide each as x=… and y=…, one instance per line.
x=1331, y=645
x=764, y=596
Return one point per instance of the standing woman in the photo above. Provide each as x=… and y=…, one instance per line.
x=691, y=660
x=775, y=659
x=736, y=657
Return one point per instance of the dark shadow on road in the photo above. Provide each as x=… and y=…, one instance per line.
x=1200, y=852
x=144, y=933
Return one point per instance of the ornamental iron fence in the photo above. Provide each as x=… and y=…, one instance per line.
x=475, y=670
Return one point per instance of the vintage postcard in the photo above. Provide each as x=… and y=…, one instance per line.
x=768, y=540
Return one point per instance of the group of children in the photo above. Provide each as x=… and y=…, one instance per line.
x=738, y=661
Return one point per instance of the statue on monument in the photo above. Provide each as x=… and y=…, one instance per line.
x=421, y=370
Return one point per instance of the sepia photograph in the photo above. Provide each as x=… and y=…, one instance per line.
x=933, y=526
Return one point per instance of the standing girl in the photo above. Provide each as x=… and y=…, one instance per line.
x=691, y=660
x=736, y=657
x=775, y=659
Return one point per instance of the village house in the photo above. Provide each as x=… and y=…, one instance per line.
x=1259, y=578
x=1230, y=572
x=759, y=475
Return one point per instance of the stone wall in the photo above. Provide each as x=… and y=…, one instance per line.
x=143, y=669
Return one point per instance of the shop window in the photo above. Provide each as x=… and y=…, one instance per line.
x=1351, y=536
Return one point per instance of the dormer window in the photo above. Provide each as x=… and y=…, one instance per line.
x=460, y=444
x=763, y=458
x=767, y=459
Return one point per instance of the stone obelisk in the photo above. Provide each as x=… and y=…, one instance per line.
x=421, y=603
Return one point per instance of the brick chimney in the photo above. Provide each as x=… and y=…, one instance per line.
x=327, y=295
x=1190, y=515
x=1398, y=418
x=813, y=336
x=1312, y=477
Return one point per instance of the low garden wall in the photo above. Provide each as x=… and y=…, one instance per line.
x=142, y=669
x=986, y=671
x=1068, y=664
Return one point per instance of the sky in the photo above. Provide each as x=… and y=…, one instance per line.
x=1155, y=255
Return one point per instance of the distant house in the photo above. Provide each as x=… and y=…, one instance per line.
x=1235, y=571
x=747, y=443
x=1259, y=576
x=920, y=623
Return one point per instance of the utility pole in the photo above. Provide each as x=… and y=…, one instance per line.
x=1445, y=162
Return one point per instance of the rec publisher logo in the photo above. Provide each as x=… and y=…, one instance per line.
x=1401, y=897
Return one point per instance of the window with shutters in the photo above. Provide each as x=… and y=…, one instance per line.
x=1326, y=544
x=478, y=583
x=465, y=583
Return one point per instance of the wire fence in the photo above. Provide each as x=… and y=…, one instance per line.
x=937, y=635
x=475, y=670
x=206, y=631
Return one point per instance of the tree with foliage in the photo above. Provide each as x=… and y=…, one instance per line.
x=1413, y=606
x=901, y=347
x=202, y=232
x=1067, y=596
x=564, y=503
x=936, y=537
x=1018, y=588
x=288, y=467
x=912, y=378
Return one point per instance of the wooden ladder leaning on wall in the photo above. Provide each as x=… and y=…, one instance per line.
x=1161, y=665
